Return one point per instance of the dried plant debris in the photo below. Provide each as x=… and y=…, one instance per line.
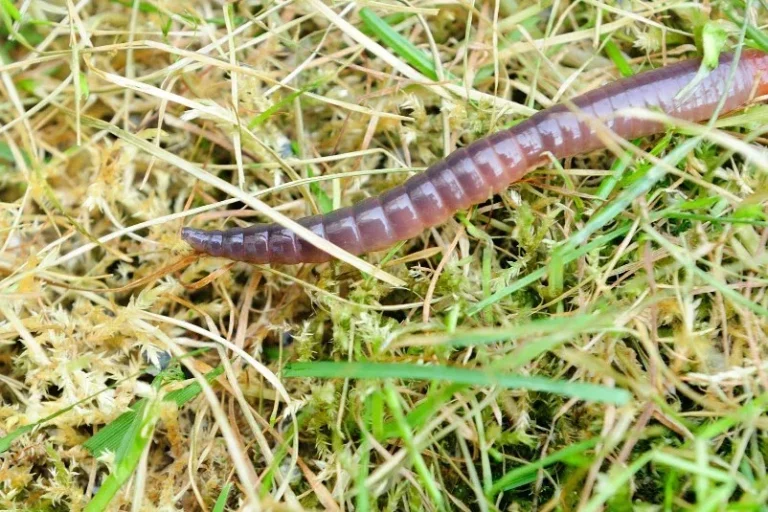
x=591, y=339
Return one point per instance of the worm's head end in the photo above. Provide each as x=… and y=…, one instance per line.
x=197, y=238
x=760, y=62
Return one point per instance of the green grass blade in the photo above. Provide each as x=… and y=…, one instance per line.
x=610, y=487
x=419, y=415
x=538, y=274
x=221, y=501
x=398, y=44
x=613, y=52
x=522, y=475
x=362, y=499
x=7, y=440
x=405, y=371
x=518, y=285
x=573, y=324
x=745, y=414
x=716, y=220
x=620, y=166
x=10, y=9
x=393, y=400
x=618, y=169
x=111, y=436
x=324, y=201
x=128, y=455
x=759, y=37
x=275, y=107
x=690, y=467
x=144, y=7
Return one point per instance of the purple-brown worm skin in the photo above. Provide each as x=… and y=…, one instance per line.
x=474, y=173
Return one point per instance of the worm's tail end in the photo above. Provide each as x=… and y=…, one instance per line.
x=197, y=238
x=259, y=243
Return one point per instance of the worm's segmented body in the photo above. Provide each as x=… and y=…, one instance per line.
x=472, y=174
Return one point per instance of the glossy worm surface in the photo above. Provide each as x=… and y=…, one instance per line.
x=472, y=174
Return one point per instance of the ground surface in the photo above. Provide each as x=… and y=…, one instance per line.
x=591, y=338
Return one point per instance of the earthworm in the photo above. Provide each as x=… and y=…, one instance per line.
x=474, y=173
